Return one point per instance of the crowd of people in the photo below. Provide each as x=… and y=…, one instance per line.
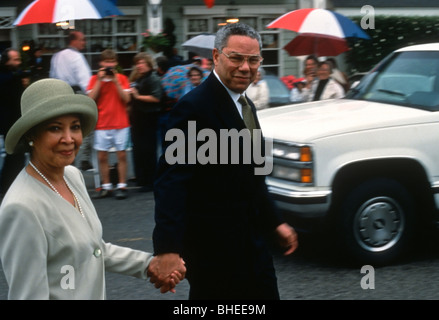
x=132, y=109
x=143, y=105
x=322, y=80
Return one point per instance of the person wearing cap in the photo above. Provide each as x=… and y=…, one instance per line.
x=51, y=244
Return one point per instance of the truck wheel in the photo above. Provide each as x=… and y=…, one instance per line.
x=377, y=221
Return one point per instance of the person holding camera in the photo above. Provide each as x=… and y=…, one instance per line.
x=111, y=91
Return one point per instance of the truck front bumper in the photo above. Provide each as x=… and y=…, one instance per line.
x=301, y=204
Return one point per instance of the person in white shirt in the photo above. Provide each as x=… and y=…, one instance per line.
x=258, y=91
x=71, y=66
x=302, y=90
x=296, y=92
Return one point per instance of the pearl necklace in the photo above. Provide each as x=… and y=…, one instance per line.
x=75, y=198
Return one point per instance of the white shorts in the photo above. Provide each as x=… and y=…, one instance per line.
x=119, y=139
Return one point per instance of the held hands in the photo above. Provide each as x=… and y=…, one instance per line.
x=287, y=237
x=166, y=271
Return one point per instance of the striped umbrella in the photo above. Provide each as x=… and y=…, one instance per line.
x=319, y=21
x=52, y=11
x=320, y=32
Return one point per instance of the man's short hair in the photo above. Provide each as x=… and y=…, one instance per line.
x=4, y=58
x=73, y=36
x=235, y=29
x=108, y=54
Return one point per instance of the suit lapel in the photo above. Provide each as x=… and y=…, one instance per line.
x=224, y=107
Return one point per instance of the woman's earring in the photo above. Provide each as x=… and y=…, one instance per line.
x=31, y=143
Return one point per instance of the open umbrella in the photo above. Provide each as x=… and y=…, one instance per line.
x=320, y=32
x=52, y=11
x=319, y=21
x=319, y=45
x=175, y=79
x=201, y=45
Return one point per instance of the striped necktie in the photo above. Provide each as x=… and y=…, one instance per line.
x=247, y=113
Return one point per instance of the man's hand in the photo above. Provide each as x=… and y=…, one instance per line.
x=166, y=271
x=288, y=238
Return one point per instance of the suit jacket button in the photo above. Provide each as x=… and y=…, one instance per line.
x=97, y=253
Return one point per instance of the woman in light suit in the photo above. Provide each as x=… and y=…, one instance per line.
x=51, y=244
x=326, y=87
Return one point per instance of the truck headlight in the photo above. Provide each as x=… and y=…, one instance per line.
x=293, y=162
x=302, y=175
x=289, y=152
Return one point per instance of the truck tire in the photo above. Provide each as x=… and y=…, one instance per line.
x=377, y=221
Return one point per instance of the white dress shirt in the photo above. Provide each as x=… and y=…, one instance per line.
x=71, y=66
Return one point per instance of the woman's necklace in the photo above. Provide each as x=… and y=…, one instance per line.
x=75, y=198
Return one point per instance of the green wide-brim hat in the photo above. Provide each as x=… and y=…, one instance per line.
x=46, y=99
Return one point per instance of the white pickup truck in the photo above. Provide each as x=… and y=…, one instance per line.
x=365, y=166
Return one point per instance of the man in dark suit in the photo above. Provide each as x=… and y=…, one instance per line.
x=210, y=210
x=11, y=89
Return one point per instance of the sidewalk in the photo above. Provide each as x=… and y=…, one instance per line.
x=92, y=178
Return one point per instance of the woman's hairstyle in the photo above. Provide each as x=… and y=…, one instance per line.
x=196, y=69
x=322, y=63
x=235, y=29
x=145, y=57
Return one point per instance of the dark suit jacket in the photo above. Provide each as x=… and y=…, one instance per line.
x=214, y=215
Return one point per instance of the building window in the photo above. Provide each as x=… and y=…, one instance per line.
x=6, y=22
x=121, y=34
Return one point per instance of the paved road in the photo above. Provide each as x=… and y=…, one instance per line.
x=310, y=273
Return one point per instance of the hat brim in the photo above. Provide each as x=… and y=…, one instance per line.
x=54, y=107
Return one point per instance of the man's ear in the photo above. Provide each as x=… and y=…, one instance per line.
x=215, y=56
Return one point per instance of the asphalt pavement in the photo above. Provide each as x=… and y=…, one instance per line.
x=311, y=273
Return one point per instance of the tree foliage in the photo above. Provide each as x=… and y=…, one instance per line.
x=389, y=33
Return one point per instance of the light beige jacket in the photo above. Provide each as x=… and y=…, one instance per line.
x=49, y=251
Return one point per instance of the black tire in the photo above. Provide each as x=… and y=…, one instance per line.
x=377, y=221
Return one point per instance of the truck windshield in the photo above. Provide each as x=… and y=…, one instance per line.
x=405, y=78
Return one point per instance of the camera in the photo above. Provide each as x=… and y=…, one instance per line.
x=109, y=71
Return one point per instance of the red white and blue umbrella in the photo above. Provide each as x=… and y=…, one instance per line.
x=52, y=11
x=319, y=21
